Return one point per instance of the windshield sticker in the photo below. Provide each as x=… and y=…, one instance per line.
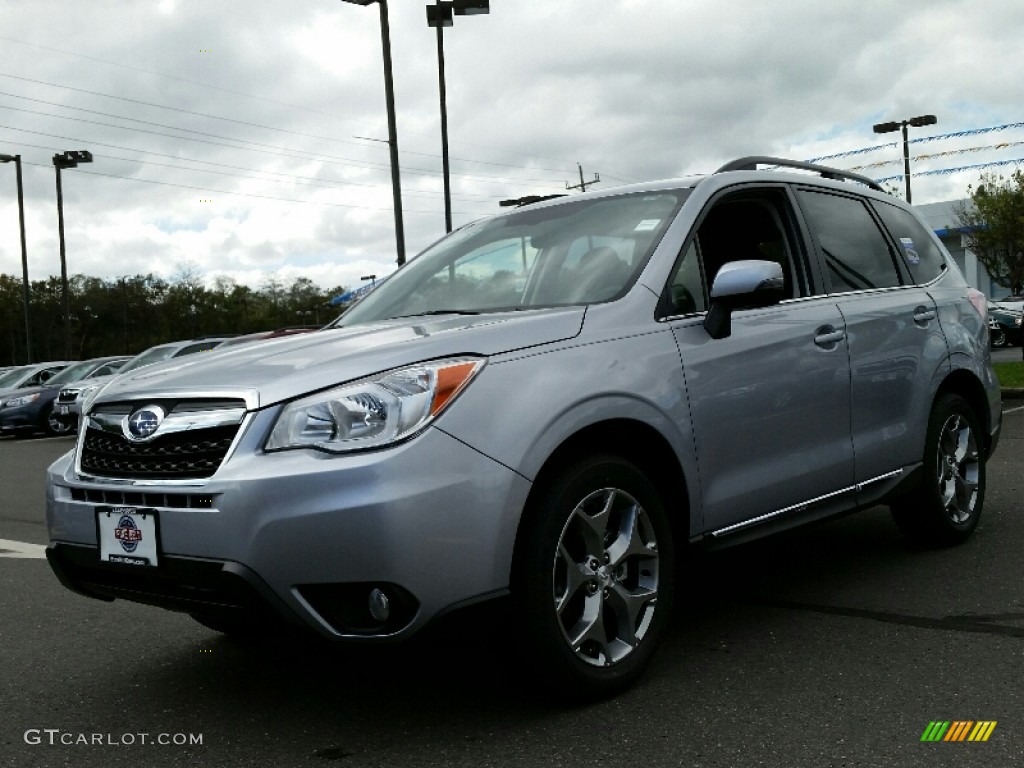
x=647, y=225
x=908, y=248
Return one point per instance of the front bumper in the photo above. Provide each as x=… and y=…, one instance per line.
x=431, y=519
x=20, y=418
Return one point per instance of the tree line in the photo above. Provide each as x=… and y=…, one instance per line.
x=127, y=315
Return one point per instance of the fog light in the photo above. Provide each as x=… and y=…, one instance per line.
x=380, y=608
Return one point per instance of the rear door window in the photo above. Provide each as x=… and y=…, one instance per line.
x=857, y=255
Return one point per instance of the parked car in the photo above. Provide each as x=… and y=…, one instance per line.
x=551, y=404
x=29, y=375
x=32, y=409
x=71, y=397
x=248, y=338
x=1005, y=325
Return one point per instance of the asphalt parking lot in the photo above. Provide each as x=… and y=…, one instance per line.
x=833, y=646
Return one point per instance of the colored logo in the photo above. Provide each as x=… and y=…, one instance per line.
x=128, y=533
x=143, y=423
x=958, y=730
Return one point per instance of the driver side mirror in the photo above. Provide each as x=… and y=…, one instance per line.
x=742, y=285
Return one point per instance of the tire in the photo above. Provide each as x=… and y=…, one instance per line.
x=998, y=337
x=54, y=425
x=593, y=578
x=945, y=508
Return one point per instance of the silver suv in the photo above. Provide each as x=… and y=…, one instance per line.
x=553, y=403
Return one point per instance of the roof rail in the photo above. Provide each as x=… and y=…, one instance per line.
x=751, y=163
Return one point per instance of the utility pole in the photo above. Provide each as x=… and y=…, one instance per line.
x=582, y=186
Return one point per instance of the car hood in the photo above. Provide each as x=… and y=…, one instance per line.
x=267, y=372
x=92, y=381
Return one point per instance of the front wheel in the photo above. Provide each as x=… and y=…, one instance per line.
x=594, y=577
x=945, y=508
x=998, y=337
x=55, y=425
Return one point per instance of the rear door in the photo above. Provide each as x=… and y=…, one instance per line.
x=894, y=338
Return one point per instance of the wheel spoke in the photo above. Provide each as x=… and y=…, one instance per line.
x=594, y=526
x=576, y=576
x=629, y=542
x=588, y=633
x=626, y=607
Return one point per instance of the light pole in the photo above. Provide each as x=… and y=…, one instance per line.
x=69, y=159
x=917, y=122
x=389, y=97
x=439, y=16
x=24, y=252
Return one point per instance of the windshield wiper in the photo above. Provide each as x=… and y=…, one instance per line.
x=439, y=312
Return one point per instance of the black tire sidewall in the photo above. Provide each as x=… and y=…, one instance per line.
x=548, y=652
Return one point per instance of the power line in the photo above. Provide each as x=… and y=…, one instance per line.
x=288, y=176
x=226, y=119
x=275, y=149
x=258, y=98
x=251, y=195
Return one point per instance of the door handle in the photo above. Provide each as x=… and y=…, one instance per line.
x=923, y=315
x=828, y=336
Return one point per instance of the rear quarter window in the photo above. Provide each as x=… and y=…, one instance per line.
x=923, y=257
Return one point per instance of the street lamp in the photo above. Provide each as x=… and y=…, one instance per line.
x=69, y=159
x=24, y=252
x=389, y=97
x=439, y=16
x=917, y=122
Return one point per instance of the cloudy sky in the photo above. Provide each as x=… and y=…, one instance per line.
x=243, y=137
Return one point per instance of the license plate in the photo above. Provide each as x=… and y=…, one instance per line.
x=63, y=410
x=127, y=535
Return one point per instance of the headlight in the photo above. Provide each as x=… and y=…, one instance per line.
x=375, y=411
x=84, y=393
x=14, y=402
x=1017, y=320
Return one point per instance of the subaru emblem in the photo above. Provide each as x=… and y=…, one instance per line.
x=143, y=423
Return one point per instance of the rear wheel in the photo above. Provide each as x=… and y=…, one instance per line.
x=594, y=577
x=945, y=508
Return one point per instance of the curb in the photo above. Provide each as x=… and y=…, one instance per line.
x=1012, y=393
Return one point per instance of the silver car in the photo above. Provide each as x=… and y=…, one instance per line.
x=70, y=399
x=550, y=404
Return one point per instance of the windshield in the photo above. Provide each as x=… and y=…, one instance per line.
x=12, y=376
x=153, y=355
x=73, y=372
x=578, y=252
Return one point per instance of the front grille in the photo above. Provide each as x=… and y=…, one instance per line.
x=179, y=455
x=67, y=396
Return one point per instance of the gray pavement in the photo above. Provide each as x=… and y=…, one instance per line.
x=832, y=646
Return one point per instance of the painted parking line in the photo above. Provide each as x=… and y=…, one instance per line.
x=20, y=549
x=1014, y=410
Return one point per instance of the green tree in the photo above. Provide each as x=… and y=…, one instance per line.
x=993, y=224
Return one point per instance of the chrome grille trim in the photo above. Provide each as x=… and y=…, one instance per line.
x=203, y=435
